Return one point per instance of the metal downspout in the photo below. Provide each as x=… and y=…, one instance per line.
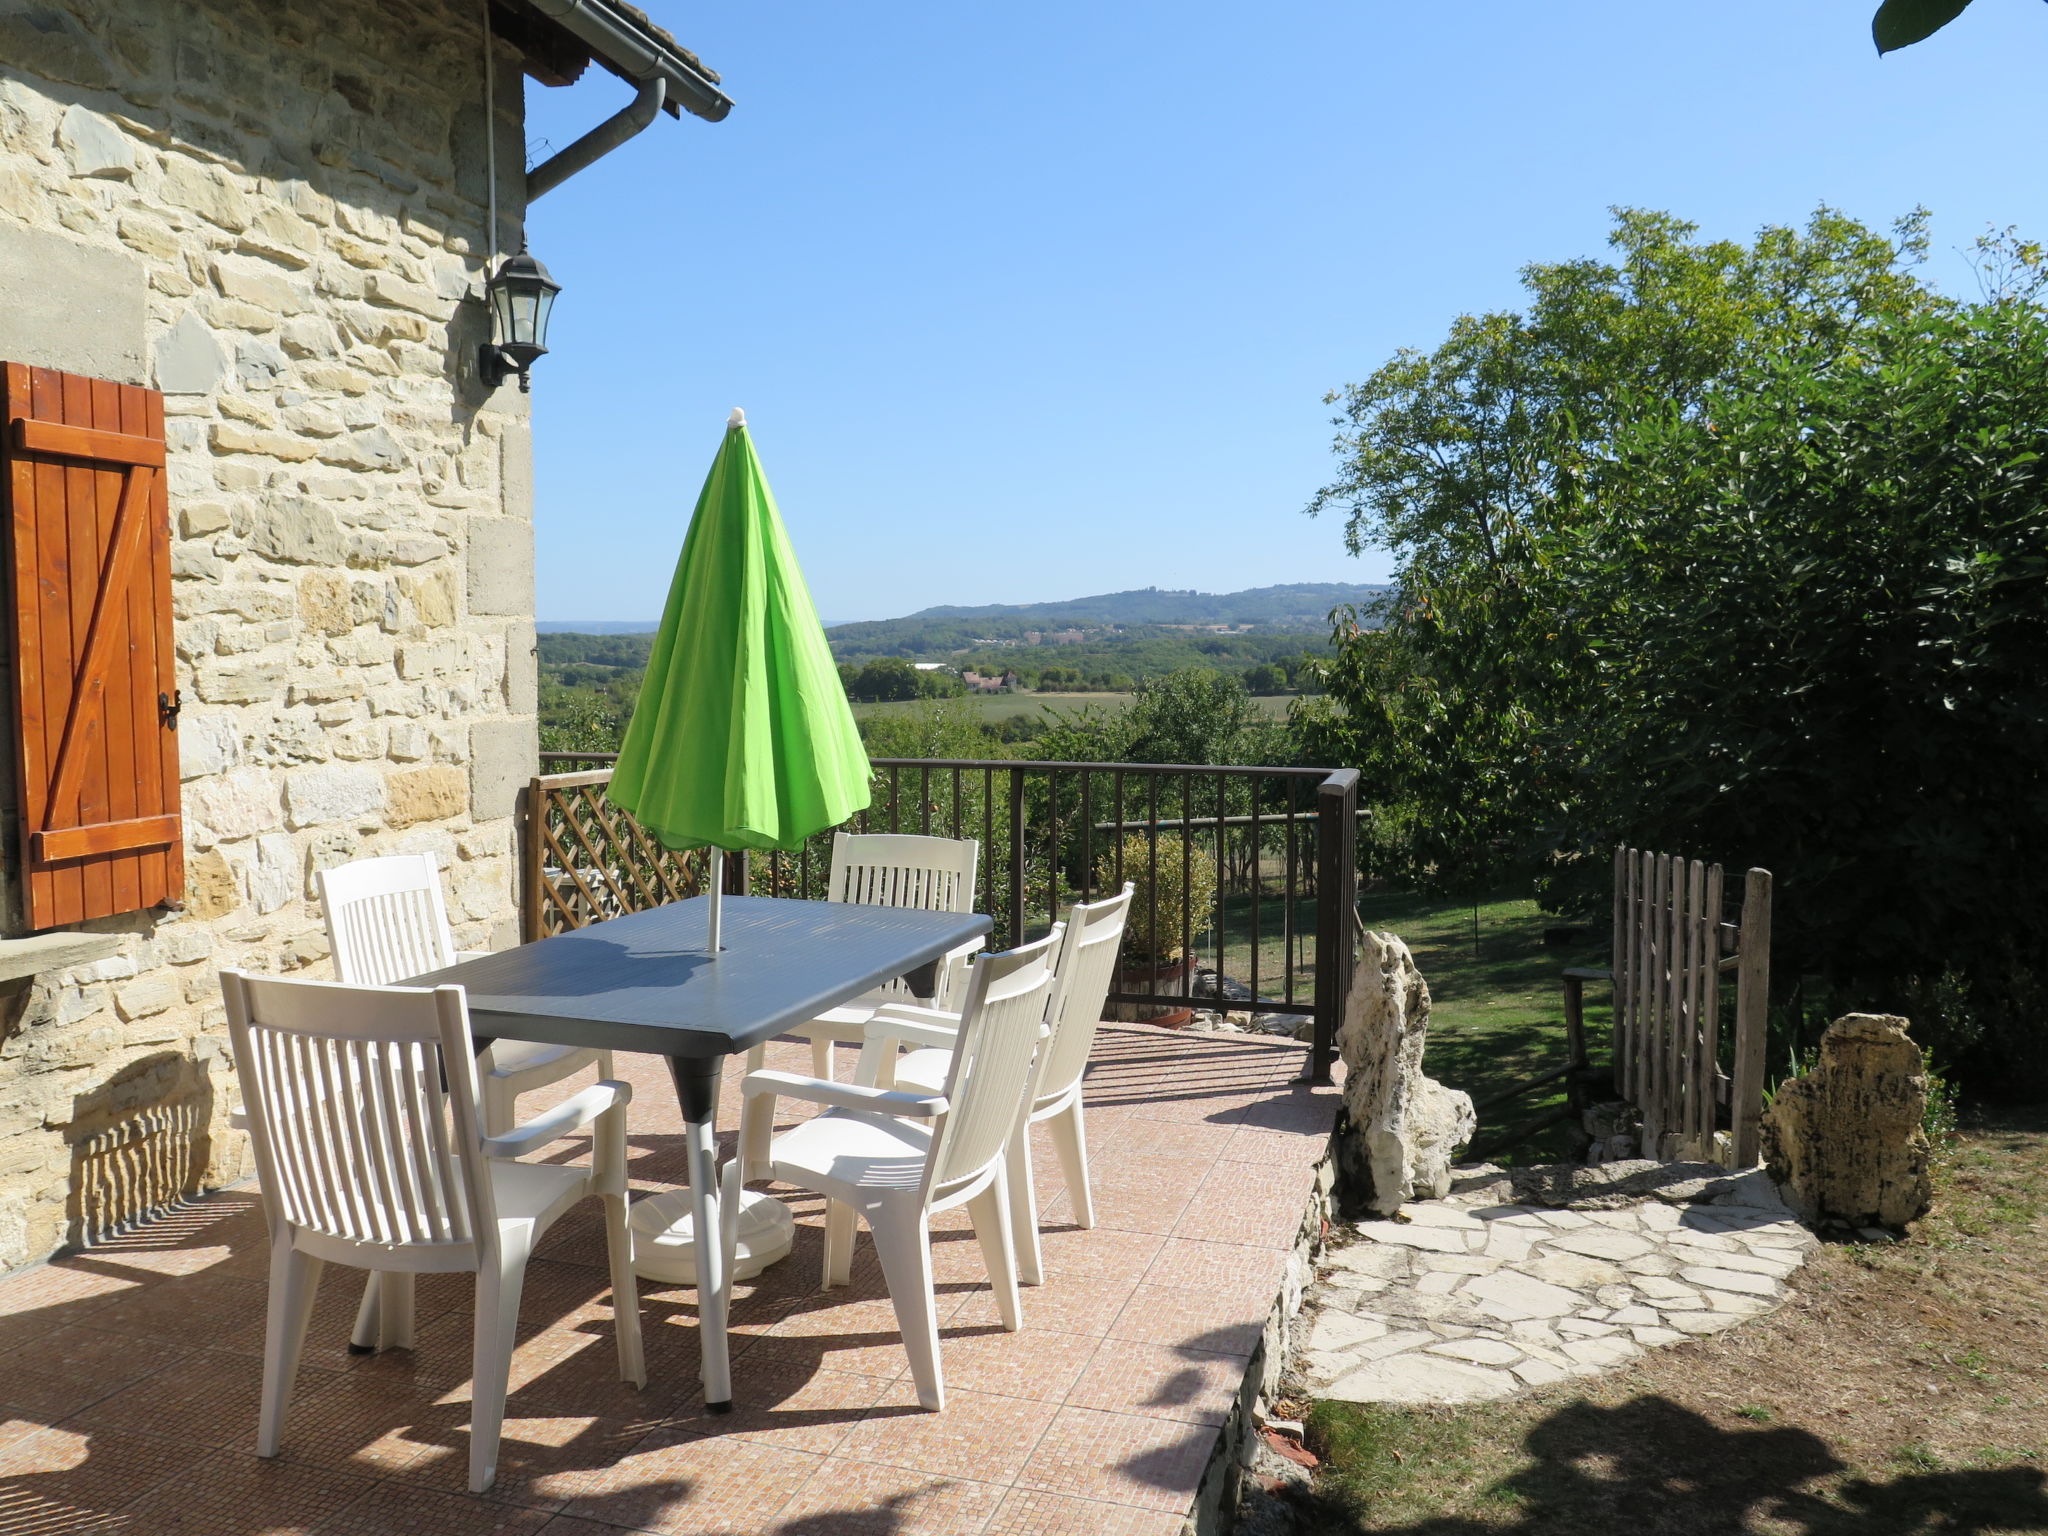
x=600, y=141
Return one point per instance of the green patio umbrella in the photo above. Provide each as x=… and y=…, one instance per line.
x=742, y=737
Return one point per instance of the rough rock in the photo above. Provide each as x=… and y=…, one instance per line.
x=1844, y=1141
x=1402, y=1128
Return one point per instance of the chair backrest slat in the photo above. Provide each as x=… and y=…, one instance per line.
x=386, y=919
x=345, y=1091
x=935, y=874
x=1086, y=965
x=988, y=1086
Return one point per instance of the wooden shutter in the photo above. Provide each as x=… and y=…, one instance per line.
x=95, y=720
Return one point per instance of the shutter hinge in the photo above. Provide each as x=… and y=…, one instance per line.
x=167, y=707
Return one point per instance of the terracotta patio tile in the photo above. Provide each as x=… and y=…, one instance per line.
x=1225, y=1320
x=1302, y=1110
x=1196, y=1265
x=1068, y=1303
x=70, y=1368
x=1159, y=1381
x=54, y=1295
x=1029, y=1512
x=1248, y=1205
x=209, y=1397
x=979, y=1436
x=394, y=1509
x=60, y=1479
x=786, y=1394
x=1034, y=1362
x=1195, y=1143
x=540, y=1456
x=235, y=1492
x=1120, y=1459
x=370, y=1421
x=576, y=1525
x=852, y=1498
x=1257, y=1144
x=1098, y=1251
x=683, y=1485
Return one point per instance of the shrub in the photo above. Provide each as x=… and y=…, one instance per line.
x=1165, y=872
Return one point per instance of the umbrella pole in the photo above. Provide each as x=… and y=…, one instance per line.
x=717, y=897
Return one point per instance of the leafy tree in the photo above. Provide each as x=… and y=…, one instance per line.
x=1899, y=23
x=1469, y=463
x=1764, y=587
x=1265, y=678
x=886, y=680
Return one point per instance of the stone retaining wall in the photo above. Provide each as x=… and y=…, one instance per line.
x=274, y=211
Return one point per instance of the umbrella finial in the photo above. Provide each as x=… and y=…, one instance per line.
x=738, y=418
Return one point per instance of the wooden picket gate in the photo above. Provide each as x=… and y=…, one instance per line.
x=1671, y=949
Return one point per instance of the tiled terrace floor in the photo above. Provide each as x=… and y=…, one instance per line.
x=128, y=1374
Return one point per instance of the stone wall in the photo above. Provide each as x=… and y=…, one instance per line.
x=274, y=211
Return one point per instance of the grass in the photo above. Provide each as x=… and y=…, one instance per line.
x=1496, y=1002
x=1902, y=1391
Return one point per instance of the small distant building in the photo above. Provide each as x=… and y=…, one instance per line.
x=979, y=683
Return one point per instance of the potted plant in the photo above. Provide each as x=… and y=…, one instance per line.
x=1171, y=877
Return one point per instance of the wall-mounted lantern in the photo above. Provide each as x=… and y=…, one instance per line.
x=521, y=294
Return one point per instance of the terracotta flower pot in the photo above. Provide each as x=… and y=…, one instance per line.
x=1164, y=977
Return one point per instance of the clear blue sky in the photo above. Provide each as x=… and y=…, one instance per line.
x=1030, y=302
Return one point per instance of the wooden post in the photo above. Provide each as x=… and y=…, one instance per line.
x=1617, y=963
x=1752, y=1006
x=1336, y=911
x=531, y=809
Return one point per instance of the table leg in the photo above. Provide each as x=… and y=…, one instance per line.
x=696, y=1081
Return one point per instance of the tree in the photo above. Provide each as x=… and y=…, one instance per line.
x=1899, y=23
x=1265, y=679
x=886, y=680
x=1752, y=589
x=1468, y=462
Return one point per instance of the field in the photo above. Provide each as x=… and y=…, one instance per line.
x=997, y=707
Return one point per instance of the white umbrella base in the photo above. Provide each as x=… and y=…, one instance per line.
x=665, y=1238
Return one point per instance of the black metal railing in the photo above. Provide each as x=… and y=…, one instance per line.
x=1247, y=877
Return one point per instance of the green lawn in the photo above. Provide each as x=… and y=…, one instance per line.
x=1496, y=1009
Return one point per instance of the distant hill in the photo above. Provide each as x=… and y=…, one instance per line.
x=610, y=626
x=1301, y=604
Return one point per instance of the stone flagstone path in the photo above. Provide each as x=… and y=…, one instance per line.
x=1473, y=1298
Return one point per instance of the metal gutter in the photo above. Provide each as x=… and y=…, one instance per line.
x=665, y=77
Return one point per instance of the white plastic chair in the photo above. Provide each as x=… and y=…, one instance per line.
x=387, y=922
x=893, y=1159
x=883, y=869
x=1085, y=964
x=366, y=1159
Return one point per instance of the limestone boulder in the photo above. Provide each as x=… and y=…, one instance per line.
x=1402, y=1127
x=1845, y=1142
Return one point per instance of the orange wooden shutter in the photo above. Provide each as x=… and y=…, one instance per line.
x=89, y=552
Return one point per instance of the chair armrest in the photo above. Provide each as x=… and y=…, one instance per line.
x=816, y=1090
x=936, y=1018
x=565, y=1119
x=888, y=1025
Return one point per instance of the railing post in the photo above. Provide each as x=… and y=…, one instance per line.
x=1752, y=1007
x=1016, y=915
x=1336, y=911
x=531, y=809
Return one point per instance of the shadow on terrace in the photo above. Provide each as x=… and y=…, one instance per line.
x=129, y=1371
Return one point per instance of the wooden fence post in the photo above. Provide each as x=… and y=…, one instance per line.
x=1752, y=1006
x=531, y=867
x=1336, y=912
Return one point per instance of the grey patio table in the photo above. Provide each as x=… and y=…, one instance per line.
x=645, y=983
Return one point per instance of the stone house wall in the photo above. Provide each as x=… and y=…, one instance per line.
x=274, y=211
